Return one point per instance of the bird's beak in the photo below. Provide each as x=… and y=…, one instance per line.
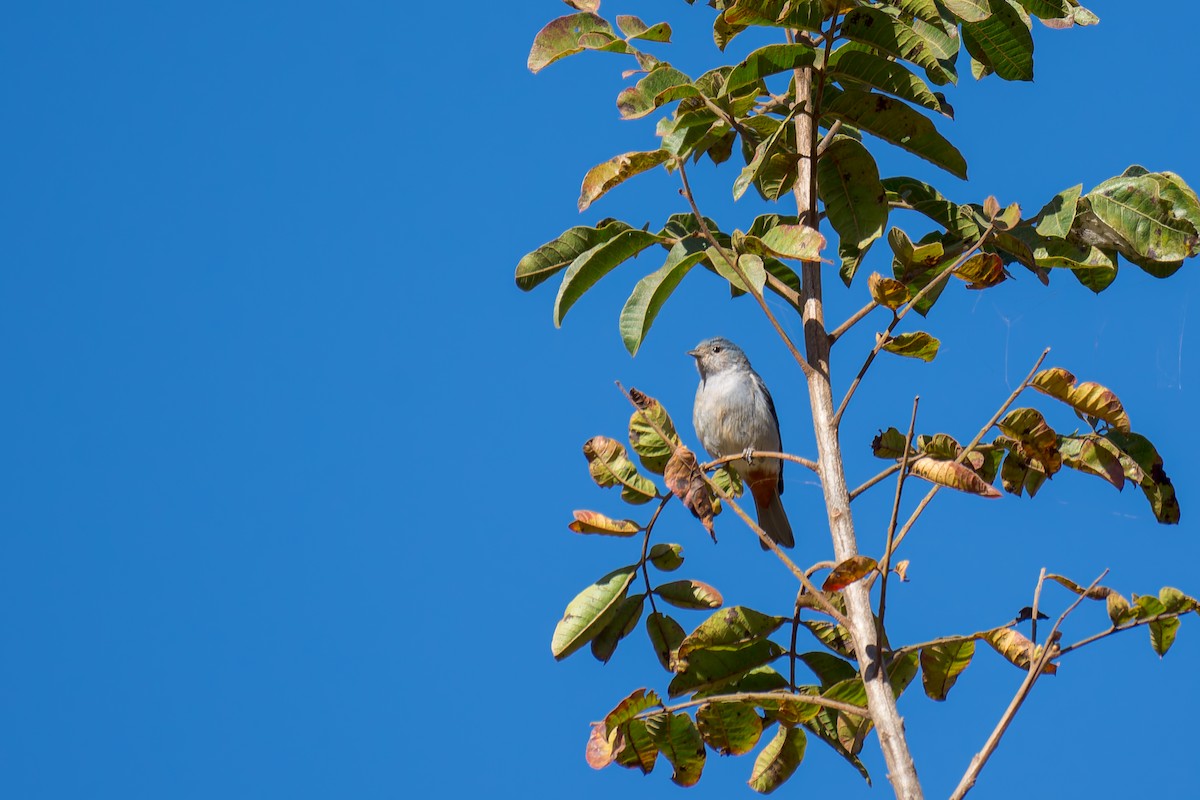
x=694, y=353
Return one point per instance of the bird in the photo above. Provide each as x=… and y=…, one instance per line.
x=734, y=413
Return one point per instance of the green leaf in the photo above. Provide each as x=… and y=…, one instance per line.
x=1047, y=9
x=828, y=668
x=888, y=444
x=855, y=68
x=728, y=480
x=895, y=122
x=652, y=291
x=634, y=28
x=732, y=729
x=825, y=729
x=770, y=60
x=941, y=664
x=595, y=522
x=560, y=38
x=921, y=9
x=1002, y=41
x=677, y=738
x=666, y=557
x=1148, y=219
x=832, y=635
x=1056, y=217
x=663, y=84
x=708, y=669
x=690, y=594
x=624, y=619
x=1119, y=610
x=1149, y=473
x=730, y=629
x=887, y=292
x=610, y=466
x=665, y=637
x=557, y=254
x=590, y=611
x=634, y=747
x=798, y=242
x=645, y=423
x=615, y=171
x=763, y=152
x=891, y=35
x=779, y=760
x=1093, y=455
x=855, y=200
x=638, y=701
x=969, y=10
x=592, y=265
x=917, y=344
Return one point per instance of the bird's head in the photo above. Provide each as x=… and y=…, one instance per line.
x=717, y=355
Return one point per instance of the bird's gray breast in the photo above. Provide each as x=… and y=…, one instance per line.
x=732, y=413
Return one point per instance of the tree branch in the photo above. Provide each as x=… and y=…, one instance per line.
x=909, y=306
x=854, y=318
x=768, y=697
x=737, y=270
x=1118, y=628
x=882, y=476
x=1036, y=666
x=801, y=460
x=886, y=564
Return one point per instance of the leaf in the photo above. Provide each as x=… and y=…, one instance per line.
x=633, y=746
x=917, y=344
x=677, y=738
x=665, y=637
x=894, y=122
x=941, y=664
x=638, y=701
x=765, y=149
x=595, y=522
x=560, y=38
x=798, y=242
x=1119, y=610
x=686, y=481
x=855, y=200
x=751, y=266
x=708, y=669
x=599, y=753
x=732, y=729
x=730, y=629
x=1087, y=398
x=592, y=265
x=1176, y=602
x=922, y=9
x=1037, y=443
x=690, y=594
x=1148, y=218
x=1015, y=647
x=609, y=466
x=969, y=10
x=666, y=557
x=894, y=37
x=634, y=28
x=1093, y=455
x=728, y=481
x=590, y=612
x=1002, y=41
x=1047, y=9
x=832, y=635
x=770, y=60
x=663, y=84
x=617, y=170
x=849, y=571
x=1096, y=592
x=982, y=271
x=624, y=619
x=828, y=668
x=855, y=69
x=952, y=475
x=645, y=425
x=1057, y=216
x=888, y=444
x=887, y=292
x=1141, y=454
x=652, y=291
x=779, y=760
x=557, y=255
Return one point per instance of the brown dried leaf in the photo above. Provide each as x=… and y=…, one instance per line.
x=599, y=747
x=1088, y=398
x=1016, y=647
x=686, y=481
x=595, y=522
x=852, y=569
x=953, y=476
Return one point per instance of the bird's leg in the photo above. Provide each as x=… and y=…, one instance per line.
x=748, y=454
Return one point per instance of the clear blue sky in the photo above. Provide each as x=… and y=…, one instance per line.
x=288, y=460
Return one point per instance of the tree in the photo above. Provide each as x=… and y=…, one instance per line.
x=796, y=112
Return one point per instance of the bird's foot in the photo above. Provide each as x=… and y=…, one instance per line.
x=748, y=454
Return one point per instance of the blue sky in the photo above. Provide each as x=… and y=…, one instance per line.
x=288, y=460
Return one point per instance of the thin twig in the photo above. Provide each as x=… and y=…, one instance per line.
x=828, y=137
x=886, y=564
x=801, y=460
x=909, y=306
x=887, y=473
x=646, y=548
x=789, y=294
x=1037, y=597
x=854, y=318
x=768, y=697
x=1118, y=628
x=1012, y=398
x=795, y=633
x=899, y=652
x=1037, y=665
x=737, y=270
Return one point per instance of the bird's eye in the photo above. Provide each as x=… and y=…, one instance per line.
x=716, y=348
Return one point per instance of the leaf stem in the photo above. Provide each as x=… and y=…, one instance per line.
x=885, y=566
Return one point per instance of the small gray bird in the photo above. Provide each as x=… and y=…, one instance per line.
x=734, y=413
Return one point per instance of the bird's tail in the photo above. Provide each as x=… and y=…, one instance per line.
x=771, y=516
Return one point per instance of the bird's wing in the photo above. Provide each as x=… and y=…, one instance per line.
x=758, y=381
